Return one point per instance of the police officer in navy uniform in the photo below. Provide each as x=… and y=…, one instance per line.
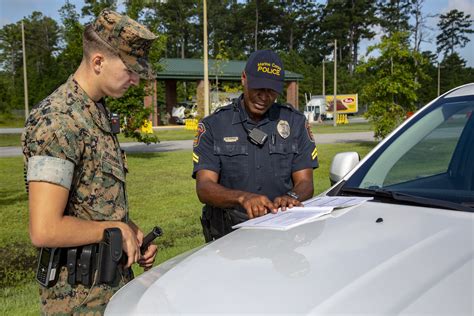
x=253, y=156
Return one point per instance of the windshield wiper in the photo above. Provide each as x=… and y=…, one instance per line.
x=412, y=199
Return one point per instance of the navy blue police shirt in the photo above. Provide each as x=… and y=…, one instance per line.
x=222, y=145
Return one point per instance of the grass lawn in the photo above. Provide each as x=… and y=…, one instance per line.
x=347, y=128
x=7, y=140
x=11, y=121
x=161, y=192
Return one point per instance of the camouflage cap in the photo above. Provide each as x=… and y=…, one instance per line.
x=130, y=39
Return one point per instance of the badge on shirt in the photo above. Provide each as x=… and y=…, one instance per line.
x=283, y=129
x=201, y=129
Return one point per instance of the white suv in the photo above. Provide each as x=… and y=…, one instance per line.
x=409, y=250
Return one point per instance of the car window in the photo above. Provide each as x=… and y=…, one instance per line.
x=431, y=157
x=432, y=154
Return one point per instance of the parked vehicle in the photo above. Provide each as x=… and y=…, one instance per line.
x=319, y=107
x=315, y=109
x=182, y=111
x=409, y=251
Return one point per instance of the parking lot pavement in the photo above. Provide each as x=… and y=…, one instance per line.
x=135, y=147
x=11, y=130
x=344, y=138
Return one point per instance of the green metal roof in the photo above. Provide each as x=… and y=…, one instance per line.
x=193, y=69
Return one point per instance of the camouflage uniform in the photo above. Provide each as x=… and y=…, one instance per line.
x=68, y=126
x=68, y=141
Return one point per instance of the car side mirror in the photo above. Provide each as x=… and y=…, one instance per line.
x=341, y=164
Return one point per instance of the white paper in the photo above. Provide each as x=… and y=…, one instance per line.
x=334, y=201
x=313, y=209
x=285, y=219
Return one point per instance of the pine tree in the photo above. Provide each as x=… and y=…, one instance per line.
x=453, y=26
x=394, y=15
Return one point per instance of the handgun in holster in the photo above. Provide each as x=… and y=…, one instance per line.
x=95, y=260
x=218, y=222
x=206, y=224
x=110, y=253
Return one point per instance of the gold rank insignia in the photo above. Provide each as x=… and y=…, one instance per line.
x=314, y=154
x=195, y=157
x=283, y=129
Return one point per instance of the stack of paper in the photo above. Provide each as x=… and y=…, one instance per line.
x=313, y=209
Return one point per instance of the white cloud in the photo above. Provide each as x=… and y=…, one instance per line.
x=467, y=6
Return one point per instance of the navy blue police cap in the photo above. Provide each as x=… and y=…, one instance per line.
x=264, y=70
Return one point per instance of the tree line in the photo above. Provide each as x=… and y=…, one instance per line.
x=399, y=77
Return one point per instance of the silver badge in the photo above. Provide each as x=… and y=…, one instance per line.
x=283, y=129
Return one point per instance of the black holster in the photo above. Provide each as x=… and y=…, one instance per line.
x=110, y=253
x=95, y=260
x=218, y=222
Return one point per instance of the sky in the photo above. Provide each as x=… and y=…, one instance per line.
x=12, y=11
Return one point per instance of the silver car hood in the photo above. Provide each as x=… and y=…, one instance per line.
x=376, y=258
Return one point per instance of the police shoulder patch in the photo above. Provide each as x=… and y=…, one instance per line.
x=309, y=131
x=201, y=129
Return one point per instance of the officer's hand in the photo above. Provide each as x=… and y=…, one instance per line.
x=286, y=201
x=257, y=205
x=146, y=261
x=129, y=244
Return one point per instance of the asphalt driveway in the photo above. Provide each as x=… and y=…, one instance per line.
x=163, y=146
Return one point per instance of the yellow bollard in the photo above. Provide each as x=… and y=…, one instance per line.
x=147, y=127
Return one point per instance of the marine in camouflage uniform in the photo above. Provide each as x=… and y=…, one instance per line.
x=68, y=141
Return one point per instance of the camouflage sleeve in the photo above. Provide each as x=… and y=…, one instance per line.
x=50, y=169
x=53, y=147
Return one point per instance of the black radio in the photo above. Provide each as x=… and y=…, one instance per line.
x=115, y=123
x=257, y=137
x=47, y=272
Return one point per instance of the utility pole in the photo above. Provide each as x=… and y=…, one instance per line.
x=439, y=77
x=334, y=101
x=206, y=69
x=324, y=82
x=25, y=79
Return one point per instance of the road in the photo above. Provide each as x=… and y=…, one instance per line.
x=164, y=146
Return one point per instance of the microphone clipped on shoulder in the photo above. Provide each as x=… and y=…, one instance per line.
x=115, y=123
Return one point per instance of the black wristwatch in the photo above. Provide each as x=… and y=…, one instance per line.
x=293, y=195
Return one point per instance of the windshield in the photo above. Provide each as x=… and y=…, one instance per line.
x=432, y=157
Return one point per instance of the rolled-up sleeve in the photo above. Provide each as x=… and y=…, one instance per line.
x=50, y=169
x=53, y=148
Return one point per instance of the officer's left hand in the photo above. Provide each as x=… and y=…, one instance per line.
x=147, y=259
x=286, y=201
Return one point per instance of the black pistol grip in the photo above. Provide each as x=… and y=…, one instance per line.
x=156, y=232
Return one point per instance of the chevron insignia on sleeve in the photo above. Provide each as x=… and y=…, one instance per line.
x=195, y=158
x=314, y=154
